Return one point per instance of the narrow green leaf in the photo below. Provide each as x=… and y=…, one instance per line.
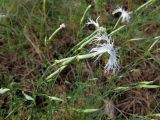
x=122, y=88
x=86, y=110
x=90, y=110
x=28, y=97
x=146, y=82
x=154, y=115
x=147, y=86
x=55, y=98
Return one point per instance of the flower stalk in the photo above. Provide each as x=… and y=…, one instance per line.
x=47, y=41
x=66, y=61
x=149, y=2
x=103, y=44
x=85, y=12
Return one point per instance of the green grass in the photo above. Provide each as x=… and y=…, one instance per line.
x=81, y=90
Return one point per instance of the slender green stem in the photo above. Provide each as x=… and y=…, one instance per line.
x=49, y=78
x=85, y=12
x=85, y=39
x=154, y=43
x=85, y=43
x=117, y=22
x=144, y=5
x=66, y=61
x=44, y=8
x=74, y=49
x=54, y=33
x=116, y=30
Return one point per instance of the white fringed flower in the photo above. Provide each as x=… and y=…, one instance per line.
x=92, y=22
x=124, y=14
x=112, y=64
x=103, y=37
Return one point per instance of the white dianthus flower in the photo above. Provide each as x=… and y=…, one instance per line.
x=124, y=14
x=92, y=22
x=112, y=64
x=103, y=37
